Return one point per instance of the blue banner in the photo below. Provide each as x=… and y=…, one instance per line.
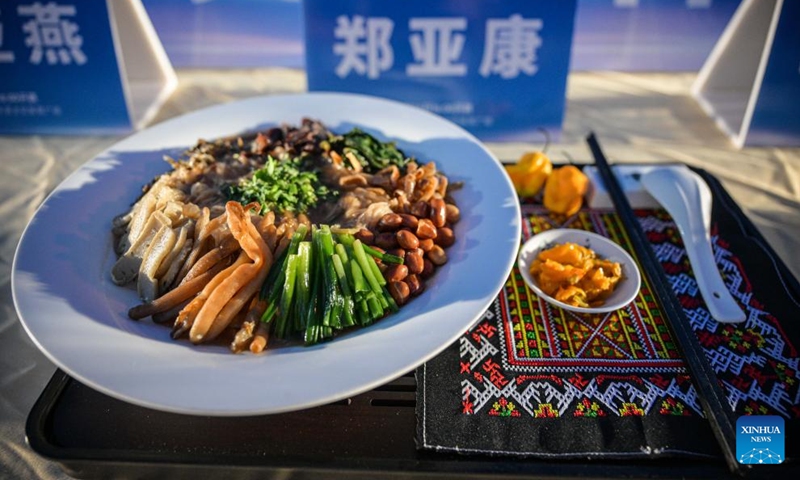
x=497, y=68
x=58, y=69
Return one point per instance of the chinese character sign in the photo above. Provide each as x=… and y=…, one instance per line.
x=6, y=56
x=436, y=44
x=50, y=34
x=510, y=47
x=498, y=68
x=58, y=68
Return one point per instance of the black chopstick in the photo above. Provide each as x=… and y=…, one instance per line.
x=712, y=397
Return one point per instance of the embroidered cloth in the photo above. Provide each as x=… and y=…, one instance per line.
x=531, y=379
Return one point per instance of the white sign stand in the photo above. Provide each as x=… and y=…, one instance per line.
x=728, y=85
x=147, y=76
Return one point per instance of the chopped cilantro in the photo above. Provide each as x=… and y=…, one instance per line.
x=281, y=186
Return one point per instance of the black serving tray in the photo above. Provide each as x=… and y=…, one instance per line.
x=91, y=435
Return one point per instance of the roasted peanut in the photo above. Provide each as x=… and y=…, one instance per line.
x=427, y=244
x=407, y=240
x=420, y=209
x=390, y=222
x=366, y=236
x=451, y=213
x=437, y=255
x=400, y=292
x=409, y=221
x=437, y=213
x=414, y=261
x=445, y=237
x=386, y=240
x=426, y=229
x=415, y=285
x=395, y=273
x=427, y=268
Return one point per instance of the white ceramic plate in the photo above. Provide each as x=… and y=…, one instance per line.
x=78, y=317
x=627, y=288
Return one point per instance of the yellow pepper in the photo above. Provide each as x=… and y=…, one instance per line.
x=564, y=190
x=530, y=173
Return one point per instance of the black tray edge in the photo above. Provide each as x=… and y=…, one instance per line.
x=85, y=463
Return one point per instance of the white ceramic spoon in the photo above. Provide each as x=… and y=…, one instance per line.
x=687, y=198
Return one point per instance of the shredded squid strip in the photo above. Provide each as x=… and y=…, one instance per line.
x=254, y=246
x=186, y=317
x=228, y=247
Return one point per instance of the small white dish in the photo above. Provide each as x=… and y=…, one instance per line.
x=627, y=288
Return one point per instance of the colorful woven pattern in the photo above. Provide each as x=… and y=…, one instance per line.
x=755, y=360
x=528, y=358
x=532, y=380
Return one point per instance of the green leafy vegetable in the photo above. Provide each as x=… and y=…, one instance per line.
x=282, y=186
x=373, y=154
x=325, y=285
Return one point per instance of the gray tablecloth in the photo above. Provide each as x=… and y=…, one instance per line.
x=637, y=117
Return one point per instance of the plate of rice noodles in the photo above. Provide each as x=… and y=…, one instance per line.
x=267, y=255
